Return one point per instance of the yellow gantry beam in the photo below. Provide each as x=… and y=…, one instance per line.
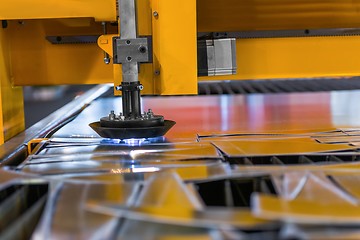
x=235, y=15
x=104, y=10
x=213, y=15
x=306, y=57
x=35, y=61
x=175, y=46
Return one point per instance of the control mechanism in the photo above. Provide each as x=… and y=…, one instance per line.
x=130, y=51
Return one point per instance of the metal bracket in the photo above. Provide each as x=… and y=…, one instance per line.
x=132, y=50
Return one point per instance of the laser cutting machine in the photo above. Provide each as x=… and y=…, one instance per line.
x=233, y=167
x=184, y=42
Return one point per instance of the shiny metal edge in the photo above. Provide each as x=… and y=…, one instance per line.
x=13, y=150
x=43, y=228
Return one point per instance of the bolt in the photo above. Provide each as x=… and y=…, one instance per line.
x=140, y=87
x=150, y=113
x=142, y=49
x=106, y=60
x=112, y=115
x=118, y=88
x=128, y=42
x=128, y=59
x=156, y=14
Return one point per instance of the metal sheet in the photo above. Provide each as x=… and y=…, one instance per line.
x=234, y=114
x=291, y=146
x=182, y=186
x=99, y=156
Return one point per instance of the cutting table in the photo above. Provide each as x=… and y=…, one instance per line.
x=234, y=167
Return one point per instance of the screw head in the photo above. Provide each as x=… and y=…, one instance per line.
x=128, y=58
x=150, y=113
x=140, y=87
x=157, y=72
x=142, y=49
x=118, y=88
x=106, y=60
x=112, y=115
x=156, y=14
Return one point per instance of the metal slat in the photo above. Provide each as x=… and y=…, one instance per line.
x=276, y=161
x=278, y=86
x=305, y=160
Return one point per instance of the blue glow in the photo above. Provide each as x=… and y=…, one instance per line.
x=134, y=141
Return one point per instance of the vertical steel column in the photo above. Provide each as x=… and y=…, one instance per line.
x=128, y=30
x=130, y=70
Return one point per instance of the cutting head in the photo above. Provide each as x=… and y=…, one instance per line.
x=132, y=132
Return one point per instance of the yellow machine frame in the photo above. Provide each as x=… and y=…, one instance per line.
x=27, y=58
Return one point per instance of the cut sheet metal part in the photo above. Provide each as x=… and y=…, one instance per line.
x=158, y=201
x=132, y=150
x=111, y=157
x=127, y=167
x=157, y=204
x=291, y=146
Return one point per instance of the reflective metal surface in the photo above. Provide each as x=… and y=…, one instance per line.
x=229, y=114
x=234, y=167
x=12, y=150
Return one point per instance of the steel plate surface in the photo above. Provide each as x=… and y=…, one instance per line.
x=234, y=167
